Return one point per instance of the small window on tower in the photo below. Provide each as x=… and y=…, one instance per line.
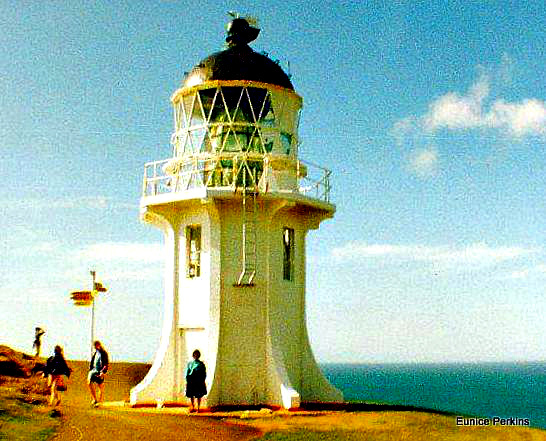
x=193, y=251
x=286, y=141
x=288, y=253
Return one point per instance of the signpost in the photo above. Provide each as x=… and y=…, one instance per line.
x=87, y=298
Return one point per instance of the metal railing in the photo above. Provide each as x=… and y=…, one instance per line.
x=229, y=171
x=315, y=181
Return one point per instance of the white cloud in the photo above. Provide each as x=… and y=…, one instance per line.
x=357, y=250
x=537, y=270
x=85, y=202
x=143, y=274
x=453, y=111
x=473, y=110
x=34, y=247
x=123, y=251
x=112, y=260
x=424, y=162
x=471, y=255
x=43, y=295
x=480, y=253
x=526, y=117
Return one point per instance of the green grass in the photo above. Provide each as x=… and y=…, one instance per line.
x=309, y=435
x=382, y=426
x=21, y=420
x=404, y=435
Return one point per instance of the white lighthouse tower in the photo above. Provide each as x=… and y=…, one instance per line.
x=235, y=204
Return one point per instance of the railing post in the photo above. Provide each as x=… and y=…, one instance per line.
x=327, y=185
x=145, y=181
x=155, y=179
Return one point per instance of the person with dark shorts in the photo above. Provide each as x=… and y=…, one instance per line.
x=97, y=369
x=196, y=373
x=55, y=370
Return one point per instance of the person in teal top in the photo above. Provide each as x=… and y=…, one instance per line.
x=196, y=373
x=97, y=369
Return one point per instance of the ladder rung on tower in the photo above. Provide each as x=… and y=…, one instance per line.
x=249, y=243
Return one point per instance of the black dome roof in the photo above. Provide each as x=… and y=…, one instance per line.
x=239, y=61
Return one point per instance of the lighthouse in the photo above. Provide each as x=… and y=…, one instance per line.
x=235, y=203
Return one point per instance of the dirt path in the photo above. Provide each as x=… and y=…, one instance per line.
x=83, y=422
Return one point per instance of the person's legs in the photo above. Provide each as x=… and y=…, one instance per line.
x=57, y=397
x=54, y=398
x=192, y=404
x=52, y=390
x=91, y=385
x=101, y=392
x=198, y=404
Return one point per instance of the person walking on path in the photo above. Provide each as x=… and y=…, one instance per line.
x=55, y=368
x=38, y=332
x=196, y=373
x=97, y=369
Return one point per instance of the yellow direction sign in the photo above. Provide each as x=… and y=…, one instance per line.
x=99, y=287
x=82, y=298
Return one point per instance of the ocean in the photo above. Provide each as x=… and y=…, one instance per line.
x=476, y=389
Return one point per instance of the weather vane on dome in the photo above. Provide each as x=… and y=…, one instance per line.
x=241, y=30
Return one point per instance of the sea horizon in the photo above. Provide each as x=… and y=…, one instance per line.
x=322, y=363
x=487, y=389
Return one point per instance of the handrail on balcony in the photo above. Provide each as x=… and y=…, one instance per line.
x=175, y=175
x=315, y=181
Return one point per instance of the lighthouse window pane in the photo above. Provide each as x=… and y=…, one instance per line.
x=298, y=119
x=209, y=99
x=197, y=116
x=288, y=253
x=267, y=119
x=268, y=144
x=231, y=143
x=187, y=107
x=197, y=138
x=260, y=102
x=286, y=140
x=193, y=111
x=193, y=251
x=237, y=104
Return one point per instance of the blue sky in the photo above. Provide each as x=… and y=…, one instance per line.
x=431, y=116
